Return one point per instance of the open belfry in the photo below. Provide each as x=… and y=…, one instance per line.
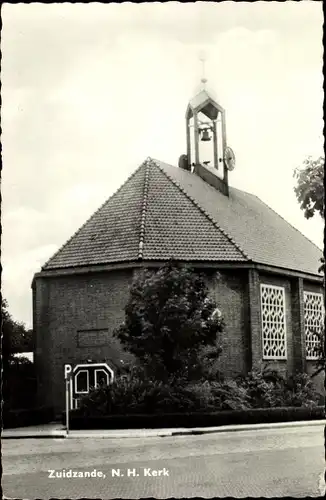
x=262, y=271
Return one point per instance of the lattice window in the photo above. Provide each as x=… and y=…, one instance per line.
x=273, y=321
x=314, y=319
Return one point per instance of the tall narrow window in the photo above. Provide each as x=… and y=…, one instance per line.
x=273, y=321
x=313, y=322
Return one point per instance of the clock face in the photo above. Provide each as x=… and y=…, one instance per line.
x=229, y=158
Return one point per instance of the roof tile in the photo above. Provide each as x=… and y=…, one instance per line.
x=263, y=235
x=164, y=212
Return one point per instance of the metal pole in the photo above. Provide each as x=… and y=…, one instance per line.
x=67, y=405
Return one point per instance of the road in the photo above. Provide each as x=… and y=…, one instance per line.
x=268, y=463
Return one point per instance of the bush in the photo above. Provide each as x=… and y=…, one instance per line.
x=21, y=384
x=132, y=393
x=300, y=391
x=128, y=394
x=229, y=395
x=262, y=388
x=267, y=388
x=27, y=416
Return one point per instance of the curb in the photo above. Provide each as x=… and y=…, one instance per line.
x=250, y=427
x=141, y=433
x=39, y=435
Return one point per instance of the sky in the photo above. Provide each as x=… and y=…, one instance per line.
x=89, y=91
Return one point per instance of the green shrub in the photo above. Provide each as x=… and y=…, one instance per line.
x=267, y=388
x=229, y=395
x=130, y=393
x=262, y=389
x=133, y=393
x=300, y=391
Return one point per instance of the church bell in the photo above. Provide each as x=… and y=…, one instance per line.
x=205, y=135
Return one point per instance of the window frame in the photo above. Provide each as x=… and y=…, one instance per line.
x=319, y=294
x=273, y=357
x=76, y=381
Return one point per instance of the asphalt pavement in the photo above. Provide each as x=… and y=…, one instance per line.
x=272, y=462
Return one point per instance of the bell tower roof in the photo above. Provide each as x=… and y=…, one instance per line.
x=205, y=103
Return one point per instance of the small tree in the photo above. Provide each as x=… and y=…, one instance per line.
x=310, y=190
x=310, y=186
x=15, y=338
x=169, y=322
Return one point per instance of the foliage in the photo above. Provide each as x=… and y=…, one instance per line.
x=170, y=322
x=262, y=388
x=310, y=186
x=300, y=391
x=128, y=395
x=267, y=388
x=321, y=353
x=15, y=338
x=134, y=394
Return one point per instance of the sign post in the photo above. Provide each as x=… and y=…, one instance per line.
x=68, y=371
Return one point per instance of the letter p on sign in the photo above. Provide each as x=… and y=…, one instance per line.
x=68, y=370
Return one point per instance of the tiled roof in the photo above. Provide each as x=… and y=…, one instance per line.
x=164, y=212
x=263, y=235
x=111, y=234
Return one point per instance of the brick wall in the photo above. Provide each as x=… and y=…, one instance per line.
x=42, y=353
x=299, y=359
x=253, y=309
x=64, y=307
x=71, y=312
x=294, y=288
x=229, y=289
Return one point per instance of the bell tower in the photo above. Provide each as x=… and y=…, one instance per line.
x=207, y=151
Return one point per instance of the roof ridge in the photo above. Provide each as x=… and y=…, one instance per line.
x=209, y=217
x=144, y=209
x=289, y=223
x=91, y=217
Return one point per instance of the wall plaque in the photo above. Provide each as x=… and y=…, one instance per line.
x=92, y=338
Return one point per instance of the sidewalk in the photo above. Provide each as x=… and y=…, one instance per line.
x=57, y=430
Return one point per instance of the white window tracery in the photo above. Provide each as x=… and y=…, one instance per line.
x=313, y=322
x=273, y=321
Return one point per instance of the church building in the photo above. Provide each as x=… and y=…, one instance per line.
x=262, y=271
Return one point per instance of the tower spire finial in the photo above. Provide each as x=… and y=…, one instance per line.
x=202, y=58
